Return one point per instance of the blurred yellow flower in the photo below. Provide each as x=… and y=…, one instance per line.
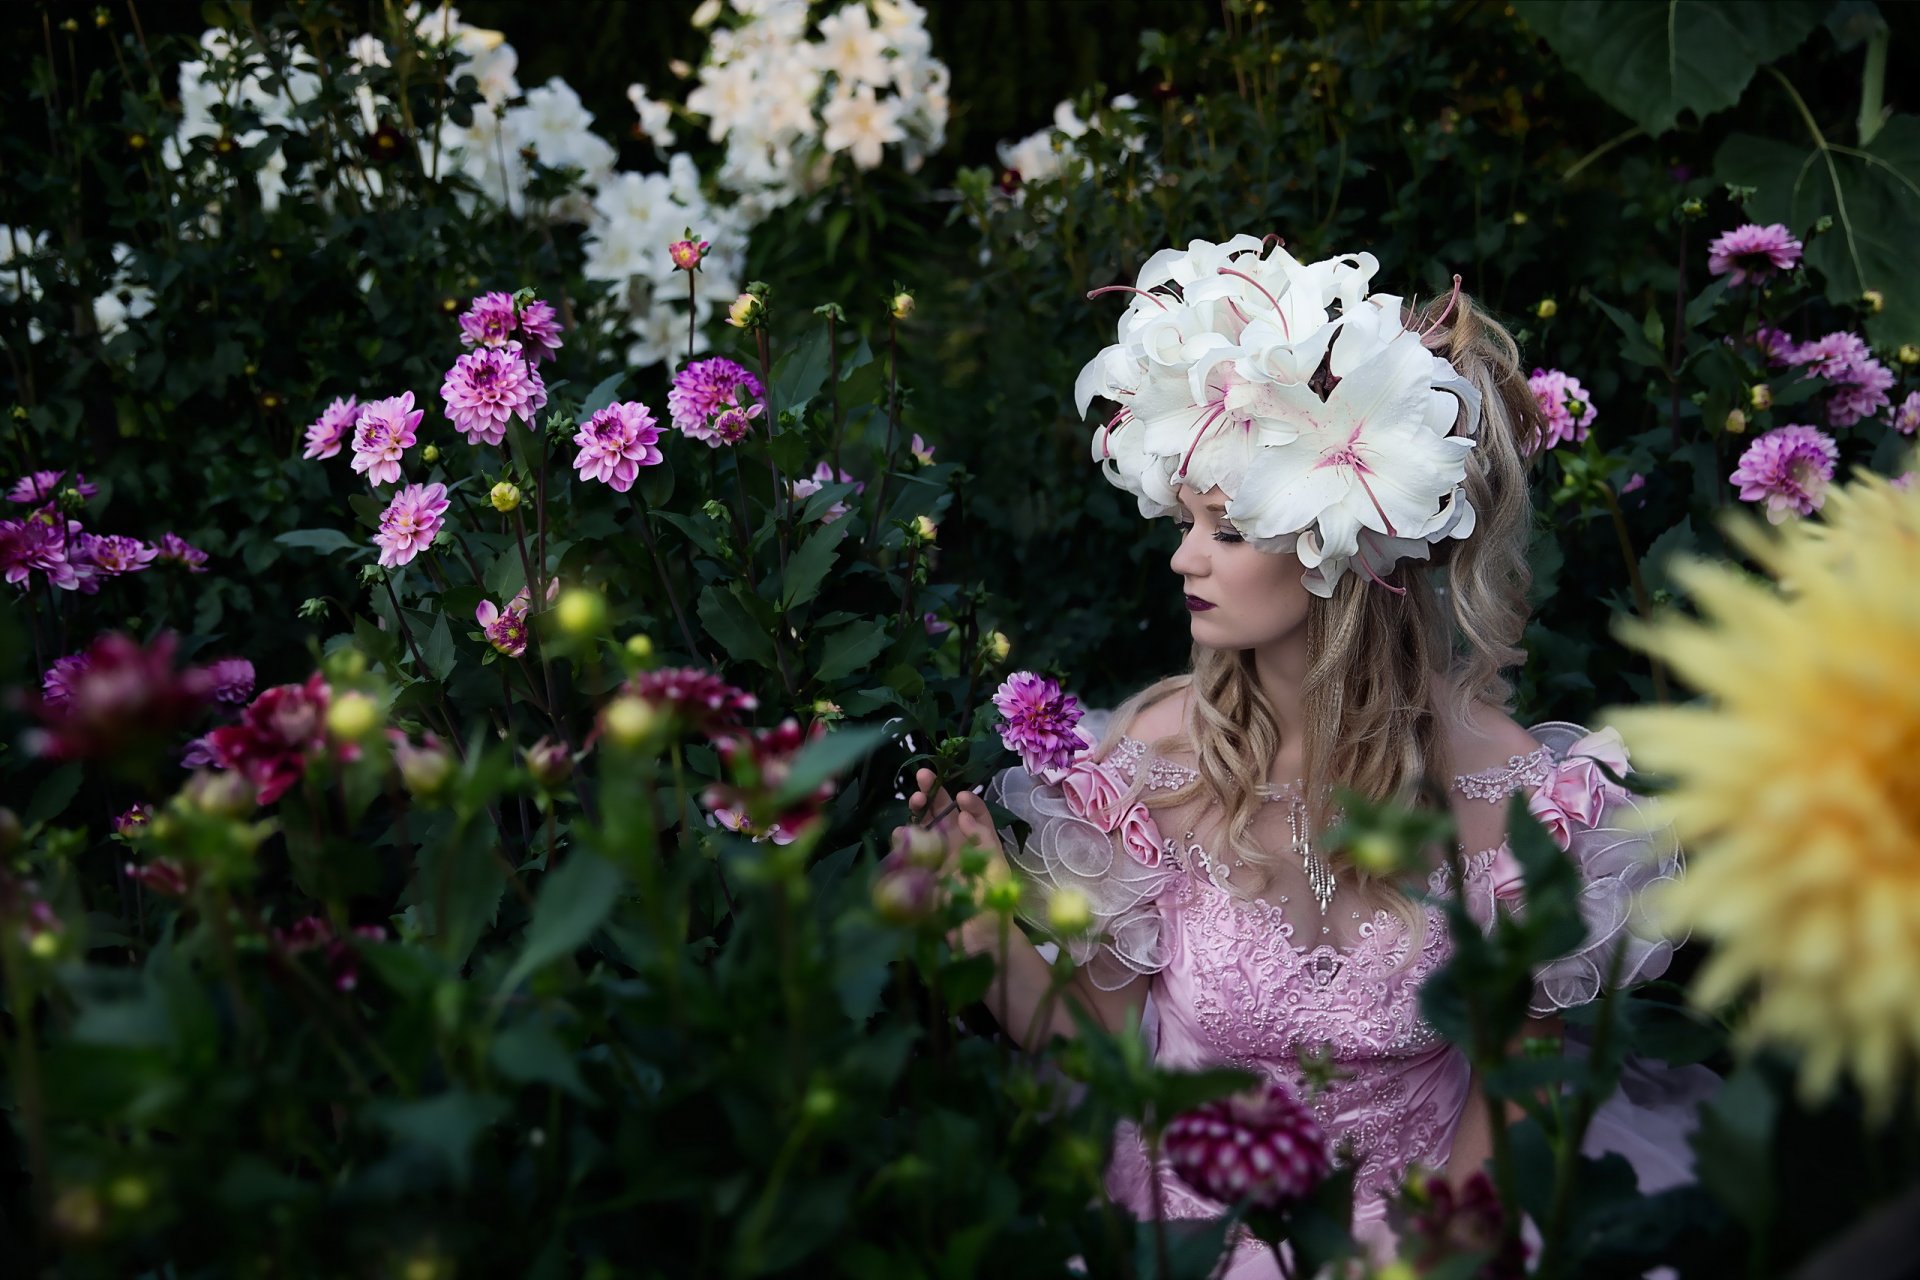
x=1794, y=784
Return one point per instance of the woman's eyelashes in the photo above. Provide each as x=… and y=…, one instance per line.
x=1225, y=533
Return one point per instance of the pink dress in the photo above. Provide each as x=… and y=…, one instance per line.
x=1253, y=982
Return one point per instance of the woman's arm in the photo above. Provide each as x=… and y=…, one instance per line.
x=1473, y=1136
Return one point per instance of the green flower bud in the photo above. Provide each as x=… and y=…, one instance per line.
x=582, y=612
x=504, y=497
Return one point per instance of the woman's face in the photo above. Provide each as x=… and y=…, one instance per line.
x=1239, y=597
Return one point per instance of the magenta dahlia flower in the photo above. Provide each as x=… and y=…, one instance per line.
x=1788, y=470
x=276, y=735
x=701, y=701
x=766, y=756
x=1859, y=383
x=1777, y=346
x=174, y=549
x=42, y=485
x=686, y=254
x=1753, y=253
x=133, y=821
x=164, y=876
x=231, y=680
x=330, y=430
x=56, y=685
x=382, y=434
x=731, y=426
x=489, y=322
x=1040, y=722
x=408, y=525
x=1565, y=404
x=115, y=554
x=1906, y=419
x=616, y=442
x=824, y=475
x=37, y=544
x=705, y=389
x=488, y=387
x=1261, y=1147
x=505, y=629
x=120, y=700
x=540, y=327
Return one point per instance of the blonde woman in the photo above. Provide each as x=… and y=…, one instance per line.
x=1346, y=476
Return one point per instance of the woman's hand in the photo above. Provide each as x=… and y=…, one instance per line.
x=957, y=824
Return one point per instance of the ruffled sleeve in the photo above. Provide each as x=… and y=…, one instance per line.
x=1084, y=837
x=1622, y=855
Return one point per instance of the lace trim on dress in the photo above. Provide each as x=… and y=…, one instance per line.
x=1518, y=774
x=1166, y=775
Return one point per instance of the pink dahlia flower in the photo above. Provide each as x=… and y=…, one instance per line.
x=487, y=388
x=824, y=475
x=1261, y=1147
x=1438, y=1224
x=133, y=821
x=686, y=254
x=316, y=933
x=276, y=735
x=1753, y=253
x=1777, y=346
x=56, y=685
x=616, y=442
x=115, y=554
x=1565, y=404
x=330, y=430
x=506, y=629
x=174, y=549
x=700, y=700
x=1040, y=722
x=231, y=680
x=489, y=322
x=1859, y=382
x=121, y=698
x=408, y=525
x=164, y=876
x=383, y=433
x=922, y=451
x=42, y=485
x=1906, y=419
x=935, y=627
x=1788, y=470
x=540, y=327
x=38, y=545
x=766, y=756
x=705, y=389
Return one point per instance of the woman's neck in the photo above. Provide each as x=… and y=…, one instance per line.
x=1281, y=669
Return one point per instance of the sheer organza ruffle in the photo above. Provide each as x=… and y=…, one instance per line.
x=1623, y=857
x=1077, y=845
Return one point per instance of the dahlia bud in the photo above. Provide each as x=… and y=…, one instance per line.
x=746, y=311
x=1068, y=912
x=430, y=454
x=505, y=497
x=44, y=945
x=1374, y=852
x=1262, y=1147
x=1874, y=301
x=218, y=794
x=998, y=646
x=1736, y=422
x=130, y=1192
x=582, y=612
x=1760, y=396
x=1002, y=897
x=904, y=894
x=1695, y=208
x=925, y=529
x=902, y=305
x=686, y=254
x=820, y=1104
x=920, y=847
x=630, y=721
x=1909, y=353
x=425, y=770
x=352, y=716
x=640, y=647
x=1520, y=217
x=827, y=709
x=1546, y=308
x=550, y=763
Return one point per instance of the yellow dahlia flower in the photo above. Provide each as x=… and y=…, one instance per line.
x=1796, y=787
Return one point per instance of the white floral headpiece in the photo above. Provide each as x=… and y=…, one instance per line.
x=1218, y=374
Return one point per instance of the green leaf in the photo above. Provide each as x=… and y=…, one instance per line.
x=438, y=649
x=1733, y=1147
x=447, y=1125
x=529, y=1053
x=729, y=621
x=604, y=393
x=799, y=375
x=51, y=798
x=572, y=903
x=1872, y=193
x=850, y=649
x=808, y=567
x=1653, y=61
x=1636, y=348
x=827, y=758
x=319, y=540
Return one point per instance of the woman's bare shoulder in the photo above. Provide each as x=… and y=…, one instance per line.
x=1487, y=738
x=1157, y=719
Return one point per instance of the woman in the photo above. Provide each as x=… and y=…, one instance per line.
x=1347, y=477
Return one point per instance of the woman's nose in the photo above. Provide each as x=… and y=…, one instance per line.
x=1190, y=557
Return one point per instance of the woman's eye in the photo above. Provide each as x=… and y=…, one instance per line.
x=1183, y=529
x=1227, y=535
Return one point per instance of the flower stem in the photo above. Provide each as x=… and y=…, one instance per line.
x=893, y=417
x=781, y=511
x=420, y=668
x=666, y=579
x=833, y=387
x=1642, y=602
x=690, y=313
x=536, y=600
